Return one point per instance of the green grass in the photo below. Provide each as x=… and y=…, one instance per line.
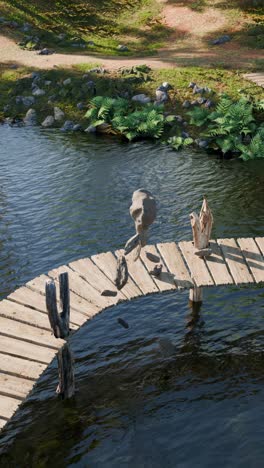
x=107, y=23
x=18, y=82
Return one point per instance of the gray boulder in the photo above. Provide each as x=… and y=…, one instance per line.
x=77, y=128
x=58, y=114
x=28, y=100
x=48, y=122
x=45, y=51
x=208, y=104
x=186, y=104
x=62, y=36
x=80, y=105
x=38, y=92
x=122, y=48
x=91, y=43
x=222, y=40
x=68, y=126
x=198, y=90
x=142, y=98
x=67, y=82
x=90, y=129
x=30, y=117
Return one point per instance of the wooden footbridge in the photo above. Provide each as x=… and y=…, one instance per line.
x=26, y=343
x=257, y=78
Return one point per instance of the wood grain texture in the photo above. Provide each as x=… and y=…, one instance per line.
x=82, y=288
x=8, y=406
x=15, y=387
x=2, y=423
x=175, y=263
x=235, y=261
x=196, y=265
x=107, y=263
x=27, y=333
x=79, y=306
x=24, y=314
x=18, y=348
x=21, y=367
x=260, y=244
x=253, y=257
x=94, y=276
x=217, y=265
x=165, y=281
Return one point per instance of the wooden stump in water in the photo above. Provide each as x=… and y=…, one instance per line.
x=202, y=226
x=66, y=387
x=60, y=324
x=201, y=229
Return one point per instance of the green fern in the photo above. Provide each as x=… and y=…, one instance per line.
x=178, y=142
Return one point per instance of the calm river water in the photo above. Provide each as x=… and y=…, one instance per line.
x=172, y=390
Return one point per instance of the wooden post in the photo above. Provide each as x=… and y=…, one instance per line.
x=196, y=294
x=66, y=387
x=201, y=228
x=60, y=324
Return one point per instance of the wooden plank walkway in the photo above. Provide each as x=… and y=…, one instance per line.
x=26, y=343
x=257, y=78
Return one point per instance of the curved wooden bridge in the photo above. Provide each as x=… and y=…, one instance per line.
x=26, y=344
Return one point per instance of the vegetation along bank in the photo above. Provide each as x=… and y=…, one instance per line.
x=216, y=109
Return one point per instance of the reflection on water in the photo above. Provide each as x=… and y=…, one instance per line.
x=176, y=388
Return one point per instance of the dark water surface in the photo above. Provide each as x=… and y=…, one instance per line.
x=174, y=389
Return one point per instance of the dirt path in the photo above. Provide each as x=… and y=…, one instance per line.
x=188, y=45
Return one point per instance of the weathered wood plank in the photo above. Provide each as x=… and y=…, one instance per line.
x=107, y=263
x=21, y=367
x=174, y=261
x=8, y=406
x=254, y=259
x=235, y=261
x=34, y=300
x=82, y=288
x=26, y=332
x=78, y=305
x=196, y=265
x=139, y=274
x=16, y=311
x=26, y=350
x=217, y=265
x=165, y=280
x=260, y=243
x=2, y=423
x=91, y=273
x=15, y=387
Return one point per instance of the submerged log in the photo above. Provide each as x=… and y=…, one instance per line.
x=59, y=322
x=66, y=387
x=202, y=226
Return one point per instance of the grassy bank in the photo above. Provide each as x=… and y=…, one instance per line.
x=107, y=23
x=73, y=90
x=18, y=83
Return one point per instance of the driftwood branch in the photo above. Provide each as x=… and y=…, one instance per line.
x=121, y=273
x=66, y=387
x=59, y=322
x=202, y=226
